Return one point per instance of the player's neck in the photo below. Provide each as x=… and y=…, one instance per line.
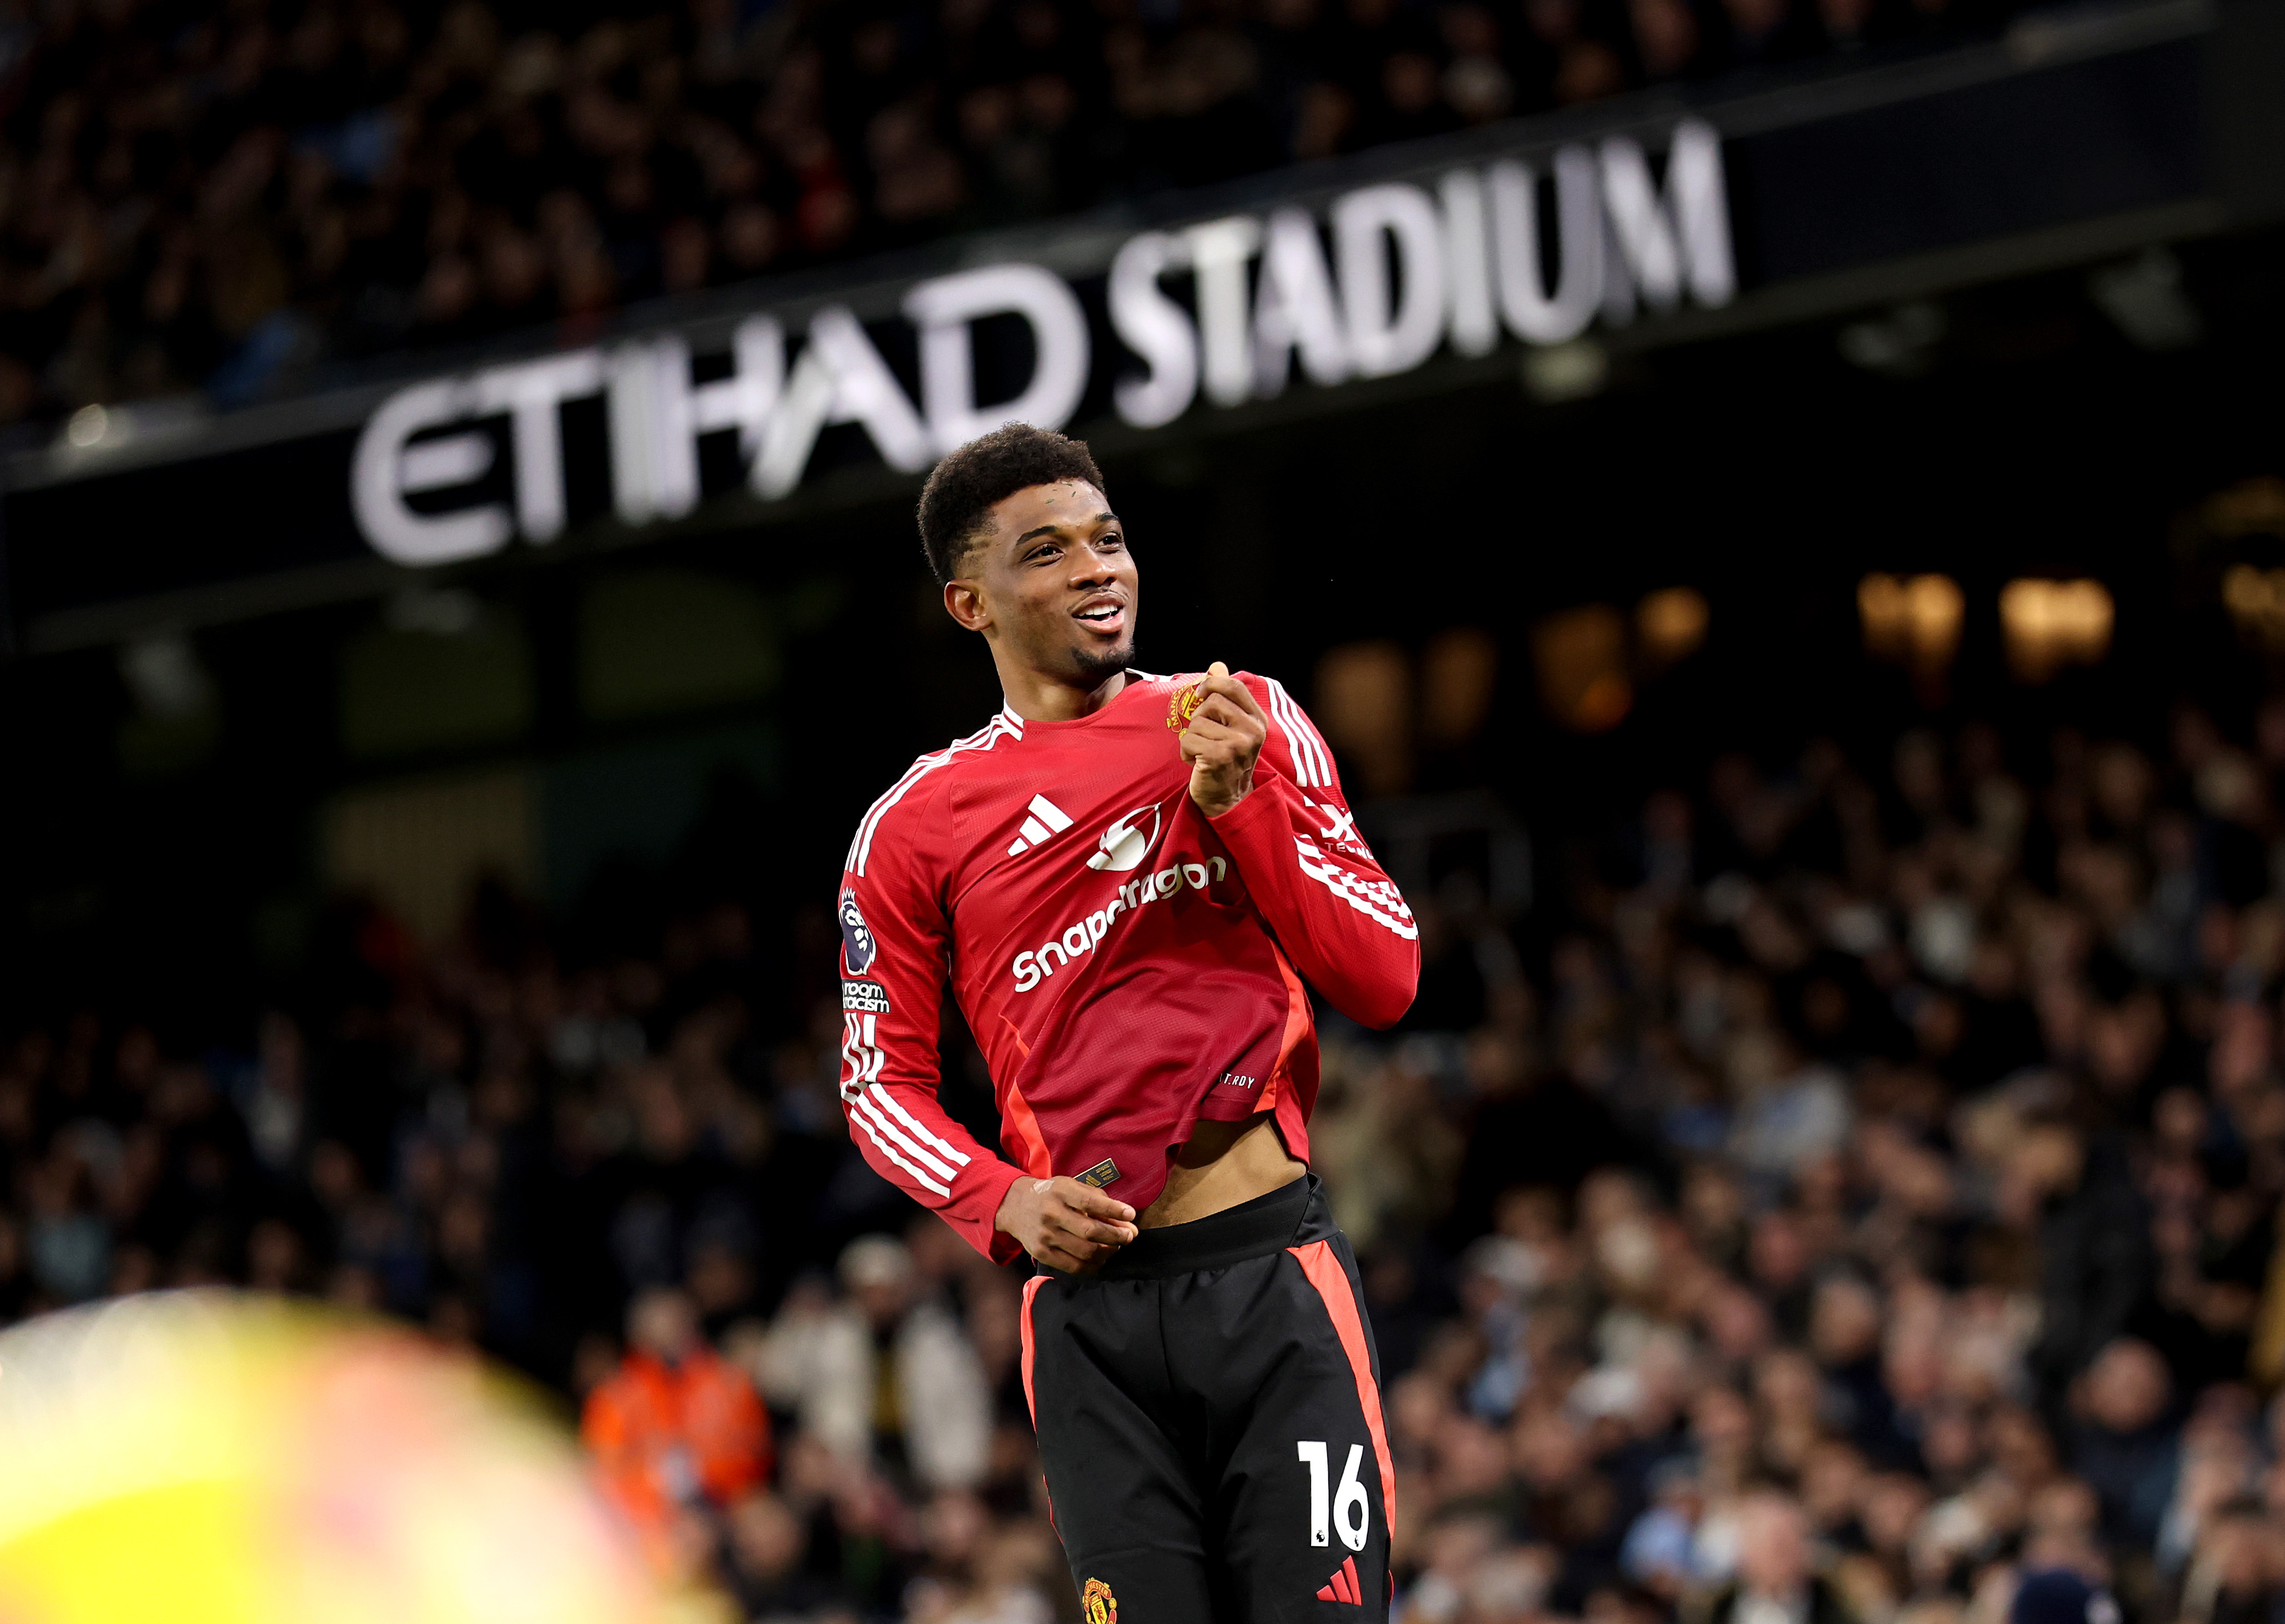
x=1041, y=697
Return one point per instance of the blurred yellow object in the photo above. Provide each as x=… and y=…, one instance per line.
x=1582, y=656
x=1671, y=626
x=2256, y=600
x=1912, y=620
x=208, y=1458
x=2049, y=624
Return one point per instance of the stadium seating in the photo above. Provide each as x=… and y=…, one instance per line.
x=225, y=201
x=1863, y=1169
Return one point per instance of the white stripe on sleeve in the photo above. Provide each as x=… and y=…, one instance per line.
x=910, y=1121
x=917, y=1175
x=868, y=1104
x=1317, y=745
x=1378, y=900
x=1310, y=763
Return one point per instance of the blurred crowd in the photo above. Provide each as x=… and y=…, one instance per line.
x=1850, y=1196
x=221, y=197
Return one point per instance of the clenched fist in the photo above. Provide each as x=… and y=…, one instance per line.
x=1224, y=742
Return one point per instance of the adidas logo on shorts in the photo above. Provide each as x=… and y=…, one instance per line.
x=1342, y=1586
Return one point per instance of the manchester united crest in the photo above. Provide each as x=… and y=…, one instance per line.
x=1184, y=705
x=1098, y=1604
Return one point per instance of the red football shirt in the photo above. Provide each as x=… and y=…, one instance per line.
x=1129, y=967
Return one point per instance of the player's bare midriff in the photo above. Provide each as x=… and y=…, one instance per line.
x=1222, y=1166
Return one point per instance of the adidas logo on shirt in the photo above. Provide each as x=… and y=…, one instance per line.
x=1046, y=821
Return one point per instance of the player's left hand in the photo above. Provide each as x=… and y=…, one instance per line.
x=1224, y=742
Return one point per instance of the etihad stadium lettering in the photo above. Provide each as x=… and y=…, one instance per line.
x=1386, y=276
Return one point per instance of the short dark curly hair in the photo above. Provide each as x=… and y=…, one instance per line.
x=967, y=484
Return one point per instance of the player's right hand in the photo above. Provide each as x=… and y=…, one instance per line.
x=1070, y=1226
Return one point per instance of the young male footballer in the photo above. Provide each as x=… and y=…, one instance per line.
x=1130, y=884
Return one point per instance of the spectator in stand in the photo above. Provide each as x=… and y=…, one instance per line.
x=2060, y=1596
x=1776, y=1581
x=2126, y=1447
x=768, y=1546
x=887, y=1375
x=2238, y=1574
x=1854, y=1187
x=676, y=1425
x=218, y=203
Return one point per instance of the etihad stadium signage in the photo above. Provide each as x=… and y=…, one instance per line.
x=1221, y=311
x=2082, y=134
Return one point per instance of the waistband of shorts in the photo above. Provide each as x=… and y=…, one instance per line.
x=1250, y=1229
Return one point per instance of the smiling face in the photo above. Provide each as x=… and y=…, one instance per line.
x=1052, y=584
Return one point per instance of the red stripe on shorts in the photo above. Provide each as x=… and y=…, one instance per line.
x=1032, y=1290
x=1325, y=1273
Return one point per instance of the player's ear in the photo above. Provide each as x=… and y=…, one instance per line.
x=965, y=604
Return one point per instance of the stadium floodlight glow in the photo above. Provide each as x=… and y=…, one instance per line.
x=1911, y=621
x=1582, y=658
x=1670, y=625
x=2049, y=624
x=2255, y=599
x=1364, y=698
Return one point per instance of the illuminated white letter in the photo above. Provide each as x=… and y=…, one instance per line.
x=942, y=309
x=657, y=415
x=839, y=379
x=1467, y=258
x=385, y=471
x=1294, y=309
x=1155, y=328
x=1694, y=180
x=1383, y=340
x=1218, y=250
x=747, y=399
x=1685, y=236
x=644, y=479
x=1531, y=315
x=530, y=393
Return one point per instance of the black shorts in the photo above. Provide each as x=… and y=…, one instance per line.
x=1208, y=1410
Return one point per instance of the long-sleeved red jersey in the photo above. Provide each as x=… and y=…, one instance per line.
x=1129, y=966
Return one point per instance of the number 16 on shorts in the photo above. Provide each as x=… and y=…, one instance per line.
x=1352, y=1513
